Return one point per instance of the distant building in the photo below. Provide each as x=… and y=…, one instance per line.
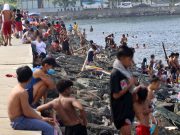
x=45, y=6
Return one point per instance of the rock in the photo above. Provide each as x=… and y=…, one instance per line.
x=177, y=107
x=83, y=81
x=168, y=106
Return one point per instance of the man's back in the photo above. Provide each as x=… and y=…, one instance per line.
x=14, y=104
x=7, y=15
x=70, y=116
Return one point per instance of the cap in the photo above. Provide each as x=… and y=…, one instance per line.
x=50, y=61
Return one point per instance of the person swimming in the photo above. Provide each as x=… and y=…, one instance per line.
x=91, y=29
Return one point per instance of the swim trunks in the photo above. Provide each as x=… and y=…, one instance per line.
x=19, y=26
x=65, y=46
x=76, y=130
x=142, y=130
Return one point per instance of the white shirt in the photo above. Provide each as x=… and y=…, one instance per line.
x=40, y=47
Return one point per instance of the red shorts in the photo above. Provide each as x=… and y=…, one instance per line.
x=18, y=26
x=142, y=130
x=6, y=29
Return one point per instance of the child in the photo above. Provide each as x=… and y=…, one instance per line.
x=142, y=110
x=66, y=108
x=151, y=65
x=153, y=86
x=91, y=54
x=55, y=46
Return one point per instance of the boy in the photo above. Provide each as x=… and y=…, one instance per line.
x=65, y=107
x=18, y=23
x=153, y=86
x=41, y=82
x=21, y=114
x=55, y=46
x=142, y=110
x=121, y=84
x=151, y=65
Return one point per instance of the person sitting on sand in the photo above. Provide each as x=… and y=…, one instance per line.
x=28, y=36
x=66, y=108
x=142, y=110
x=41, y=82
x=20, y=113
x=40, y=46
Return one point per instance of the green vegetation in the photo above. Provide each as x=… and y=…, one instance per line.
x=11, y=2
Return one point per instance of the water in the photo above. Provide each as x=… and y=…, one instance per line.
x=151, y=30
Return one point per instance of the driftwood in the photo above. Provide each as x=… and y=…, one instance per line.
x=166, y=57
x=80, y=49
x=174, y=118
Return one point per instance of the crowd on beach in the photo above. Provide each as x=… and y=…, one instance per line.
x=129, y=99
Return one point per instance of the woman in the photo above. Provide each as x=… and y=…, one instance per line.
x=121, y=85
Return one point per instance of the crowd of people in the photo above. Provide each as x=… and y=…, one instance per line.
x=168, y=74
x=129, y=98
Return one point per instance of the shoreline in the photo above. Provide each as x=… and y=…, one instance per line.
x=114, y=13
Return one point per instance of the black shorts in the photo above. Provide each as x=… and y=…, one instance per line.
x=76, y=130
x=173, y=70
x=65, y=46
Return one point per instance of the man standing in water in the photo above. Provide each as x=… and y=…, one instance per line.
x=20, y=113
x=7, y=17
x=124, y=40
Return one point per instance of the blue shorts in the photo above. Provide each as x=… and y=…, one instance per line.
x=23, y=123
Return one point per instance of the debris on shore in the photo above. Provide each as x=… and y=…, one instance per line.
x=91, y=87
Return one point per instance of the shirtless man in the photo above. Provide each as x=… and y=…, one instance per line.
x=20, y=113
x=123, y=40
x=173, y=67
x=7, y=18
x=142, y=111
x=176, y=62
x=41, y=82
x=66, y=107
x=153, y=86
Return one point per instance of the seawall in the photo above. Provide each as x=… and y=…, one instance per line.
x=108, y=13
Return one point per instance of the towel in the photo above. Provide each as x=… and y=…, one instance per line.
x=118, y=65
